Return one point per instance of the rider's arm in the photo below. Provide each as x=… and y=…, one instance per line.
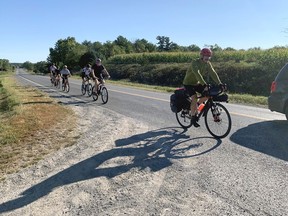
x=105, y=73
x=213, y=74
x=93, y=74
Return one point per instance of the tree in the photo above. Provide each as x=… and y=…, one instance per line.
x=214, y=47
x=28, y=65
x=229, y=49
x=88, y=44
x=67, y=52
x=87, y=58
x=124, y=44
x=143, y=45
x=110, y=49
x=164, y=43
x=194, y=48
x=4, y=64
x=41, y=67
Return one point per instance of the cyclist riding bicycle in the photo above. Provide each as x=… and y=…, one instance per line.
x=86, y=73
x=52, y=70
x=194, y=82
x=98, y=72
x=65, y=73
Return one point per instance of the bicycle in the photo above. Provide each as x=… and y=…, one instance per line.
x=86, y=87
x=53, y=79
x=102, y=90
x=65, y=84
x=216, y=116
x=57, y=82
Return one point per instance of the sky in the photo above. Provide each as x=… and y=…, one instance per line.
x=29, y=28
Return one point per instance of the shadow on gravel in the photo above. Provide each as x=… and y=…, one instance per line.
x=153, y=150
x=269, y=137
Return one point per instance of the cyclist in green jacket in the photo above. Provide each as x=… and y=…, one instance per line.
x=194, y=82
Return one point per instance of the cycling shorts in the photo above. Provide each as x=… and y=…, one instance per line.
x=194, y=89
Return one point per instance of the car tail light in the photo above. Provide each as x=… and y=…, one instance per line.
x=273, y=86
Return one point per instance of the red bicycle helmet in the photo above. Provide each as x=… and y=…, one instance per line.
x=206, y=52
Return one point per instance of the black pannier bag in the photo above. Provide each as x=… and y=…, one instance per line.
x=221, y=98
x=214, y=91
x=179, y=100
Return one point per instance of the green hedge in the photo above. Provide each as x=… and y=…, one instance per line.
x=247, y=72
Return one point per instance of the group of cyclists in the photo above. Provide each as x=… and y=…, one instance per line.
x=193, y=82
x=96, y=72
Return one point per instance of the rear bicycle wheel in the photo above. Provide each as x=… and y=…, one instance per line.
x=184, y=119
x=218, y=120
x=89, y=89
x=104, y=94
x=67, y=88
x=83, y=89
x=94, y=94
x=58, y=85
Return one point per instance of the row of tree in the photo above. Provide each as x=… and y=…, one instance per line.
x=76, y=55
x=142, y=61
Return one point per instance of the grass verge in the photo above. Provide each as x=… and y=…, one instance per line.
x=32, y=125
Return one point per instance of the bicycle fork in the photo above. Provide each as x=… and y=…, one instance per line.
x=215, y=113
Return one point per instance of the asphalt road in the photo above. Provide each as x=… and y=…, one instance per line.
x=248, y=168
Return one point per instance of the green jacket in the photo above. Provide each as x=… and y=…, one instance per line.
x=197, y=70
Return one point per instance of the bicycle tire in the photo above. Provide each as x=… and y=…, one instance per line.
x=83, y=89
x=184, y=119
x=63, y=87
x=58, y=84
x=67, y=87
x=219, y=126
x=104, y=94
x=94, y=95
x=89, y=89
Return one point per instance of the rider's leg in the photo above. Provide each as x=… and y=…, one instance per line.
x=193, y=105
x=96, y=86
x=202, y=99
x=193, y=108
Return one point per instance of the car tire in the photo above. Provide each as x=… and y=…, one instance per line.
x=286, y=111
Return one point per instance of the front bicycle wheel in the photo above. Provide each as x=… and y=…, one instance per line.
x=104, y=94
x=184, y=119
x=218, y=121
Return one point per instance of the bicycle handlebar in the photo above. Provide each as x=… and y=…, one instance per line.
x=214, y=90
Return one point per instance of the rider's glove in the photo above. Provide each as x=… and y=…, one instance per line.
x=223, y=87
